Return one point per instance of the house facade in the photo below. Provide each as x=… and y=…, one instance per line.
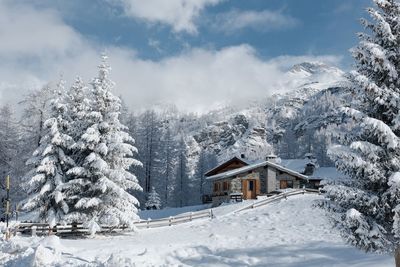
x=237, y=177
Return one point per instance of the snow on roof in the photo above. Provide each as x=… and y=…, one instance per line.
x=297, y=165
x=328, y=173
x=255, y=166
x=226, y=163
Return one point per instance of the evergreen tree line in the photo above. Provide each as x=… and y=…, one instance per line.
x=169, y=166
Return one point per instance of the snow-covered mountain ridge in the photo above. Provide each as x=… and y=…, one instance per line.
x=259, y=128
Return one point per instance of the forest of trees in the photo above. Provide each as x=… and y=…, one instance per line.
x=72, y=147
x=171, y=160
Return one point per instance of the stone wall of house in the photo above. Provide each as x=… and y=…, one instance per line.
x=286, y=176
x=271, y=179
x=267, y=177
x=236, y=185
x=263, y=180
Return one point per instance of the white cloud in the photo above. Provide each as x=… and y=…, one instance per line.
x=195, y=80
x=265, y=20
x=27, y=32
x=179, y=14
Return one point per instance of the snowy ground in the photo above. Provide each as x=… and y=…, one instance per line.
x=288, y=233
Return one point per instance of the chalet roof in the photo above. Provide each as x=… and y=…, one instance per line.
x=327, y=173
x=297, y=165
x=244, y=169
x=225, y=164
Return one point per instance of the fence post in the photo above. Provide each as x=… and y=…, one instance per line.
x=74, y=227
x=16, y=212
x=191, y=214
x=170, y=220
x=211, y=214
x=148, y=222
x=33, y=230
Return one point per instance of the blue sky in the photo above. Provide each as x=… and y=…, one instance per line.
x=317, y=28
x=170, y=50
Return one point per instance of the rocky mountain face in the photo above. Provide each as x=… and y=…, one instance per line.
x=269, y=126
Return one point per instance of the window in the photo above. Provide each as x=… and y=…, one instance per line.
x=225, y=186
x=251, y=185
x=216, y=187
x=286, y=184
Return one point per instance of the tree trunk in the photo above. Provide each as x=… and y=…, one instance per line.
x=397, y=256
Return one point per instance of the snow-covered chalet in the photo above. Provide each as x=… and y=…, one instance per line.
x=238, y=177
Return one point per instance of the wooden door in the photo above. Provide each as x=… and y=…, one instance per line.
x=283, y=184
x=244, y=189
x=251, y=189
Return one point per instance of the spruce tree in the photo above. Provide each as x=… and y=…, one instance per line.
x=104, y=155
x=366, y=207
x=51, y=162
x=153, y=200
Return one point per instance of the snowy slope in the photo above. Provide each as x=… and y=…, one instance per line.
x=288, y=233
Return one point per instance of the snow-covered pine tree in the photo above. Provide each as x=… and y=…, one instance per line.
x=150, y=133
x=79, y=118
x=36, y=107
x=199, y=172
x=153, y=200
x=206, y=161
x=51, y=162
x=104, y=155
x=182, y=189
x=367, y=206
x=9, y=137
x=168, y=162
x=78, y=108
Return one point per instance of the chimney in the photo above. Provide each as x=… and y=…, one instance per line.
x=271, y=158
x=242, y=156
x=309, y=169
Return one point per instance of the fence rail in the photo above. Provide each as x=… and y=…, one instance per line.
x=275, y=198
x=79, y=229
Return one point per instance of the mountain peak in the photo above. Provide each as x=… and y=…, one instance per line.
x=313, y=68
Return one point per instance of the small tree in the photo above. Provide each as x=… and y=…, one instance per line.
x=153, y=200
x=366, y=207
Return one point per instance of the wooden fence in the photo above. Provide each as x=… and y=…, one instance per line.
x=278, y=197
x=79, y=229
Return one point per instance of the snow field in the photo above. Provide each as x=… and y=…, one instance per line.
x=288, y=233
